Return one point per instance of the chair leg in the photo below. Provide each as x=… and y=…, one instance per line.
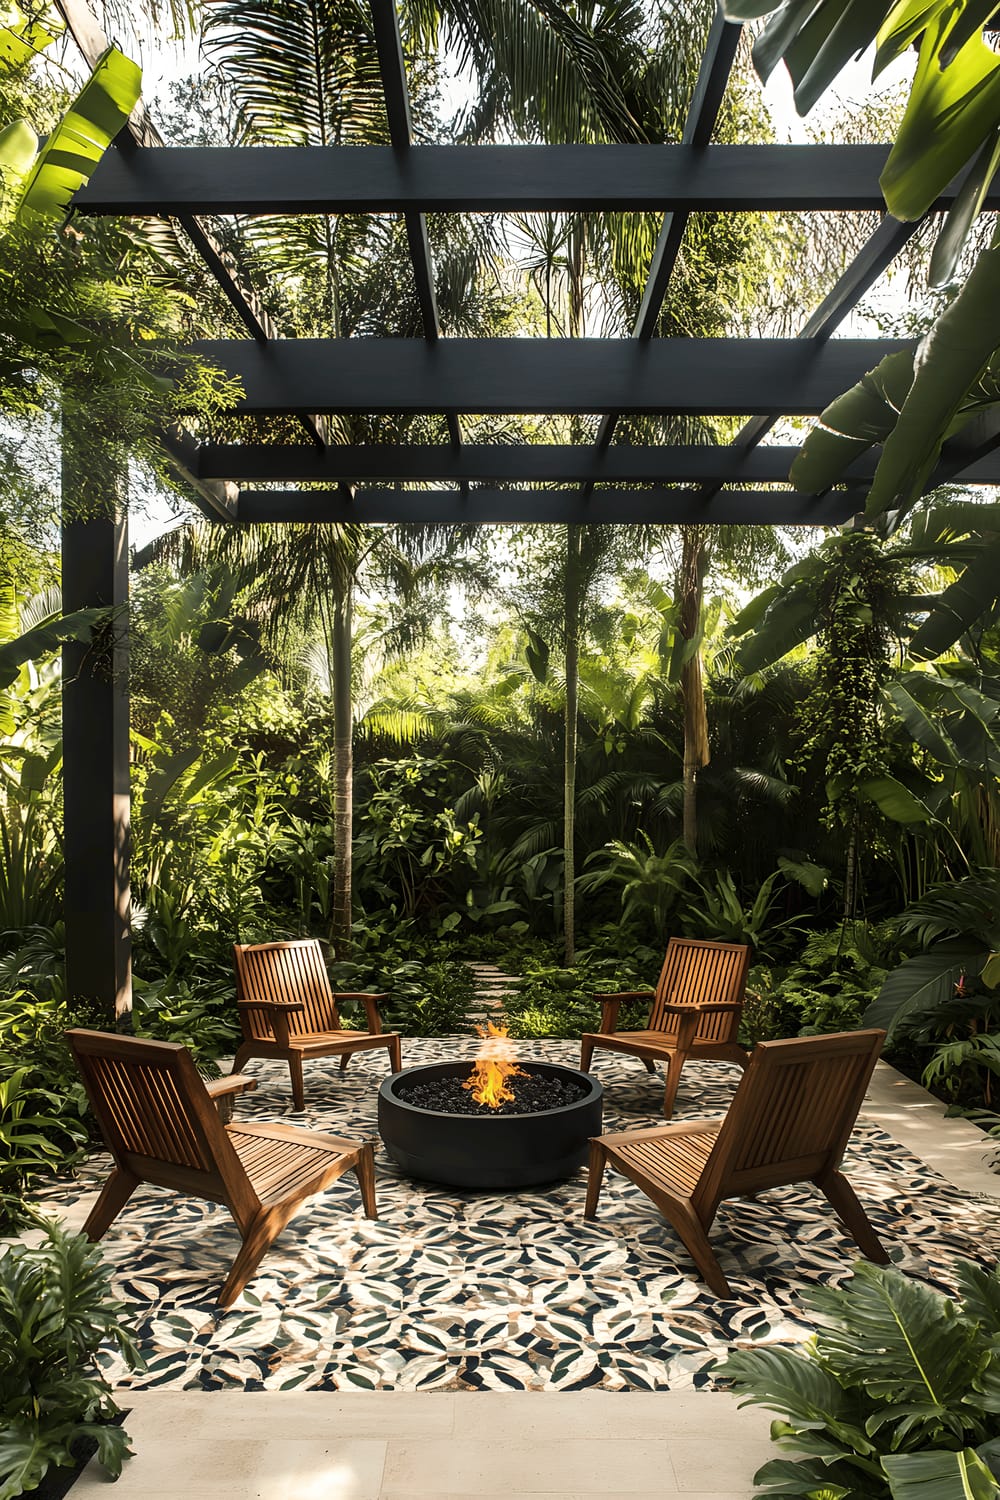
x=298, y=1090
x=365, y=1171
x=345, y=1058
x=586, y=1052
x=675, y=1063
x=692, y=1232
x=595, y=1177
x=650, y=1065
x=243, y=1055
x=396, y=1054
x=113, y=1197
x=844, y=1199
x=260, y=1235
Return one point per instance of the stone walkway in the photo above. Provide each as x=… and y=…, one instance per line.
x=492, y=988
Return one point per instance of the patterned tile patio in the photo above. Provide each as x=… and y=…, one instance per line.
x=453, y=1291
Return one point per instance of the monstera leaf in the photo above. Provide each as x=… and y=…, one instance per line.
x=923, y=982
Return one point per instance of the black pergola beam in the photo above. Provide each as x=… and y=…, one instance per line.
x=521, y=463
x=186, y=180
x=509, y=507
x=575, y=376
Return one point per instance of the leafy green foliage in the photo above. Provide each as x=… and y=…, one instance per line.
x=893, y=1395
x=43, y=1107
x=56, y=1310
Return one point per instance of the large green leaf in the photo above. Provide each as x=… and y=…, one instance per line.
x=922, y=725
x=897, y=1340
x=963, y=213
x=970, y=599
x=923, y=982
x=18, y=148
x=896, y=801
x=949, y=114
x=951, y=358
x=44, y=639
x=980, y=1291
x=853, y=423
x=789, y=621
x=83, y=134
x=939, y=1475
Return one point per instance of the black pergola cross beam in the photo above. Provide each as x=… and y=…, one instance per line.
x=679, y=179
x=569, y=507
x=539, y=463
x=726, y=376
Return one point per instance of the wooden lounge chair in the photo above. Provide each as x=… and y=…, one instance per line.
x=288, y=1010
x=790, y=1121
x=158, y=1118
x=695, y=1012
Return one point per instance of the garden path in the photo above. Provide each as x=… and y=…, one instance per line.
x=492, y=988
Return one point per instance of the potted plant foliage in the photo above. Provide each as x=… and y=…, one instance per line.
x=56, y=1408
x=896, y=1395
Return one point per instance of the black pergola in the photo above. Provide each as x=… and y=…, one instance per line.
x=762, y=379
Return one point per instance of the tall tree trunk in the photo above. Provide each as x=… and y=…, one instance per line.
x=696, y=752
x=571, y=607
x=572, y=611
x=343, y=749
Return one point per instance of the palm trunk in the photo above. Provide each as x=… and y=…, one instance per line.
x=571, y=605
x=343, y=751
x=696, y=752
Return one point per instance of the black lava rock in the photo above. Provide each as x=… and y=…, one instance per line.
x=532, y=1093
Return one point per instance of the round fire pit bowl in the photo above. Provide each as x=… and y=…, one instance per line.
x=488, y=1150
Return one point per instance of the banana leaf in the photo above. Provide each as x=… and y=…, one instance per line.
x=23, y=40
x=952, y=357
x=81, y=137
x=971, y=598
x=45, y=638
x=18, y=148
x=853, y=423
x=949, y=114
x=896, y=801
x=922, y=725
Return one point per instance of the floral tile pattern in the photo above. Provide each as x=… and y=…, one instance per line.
x=452, y=1290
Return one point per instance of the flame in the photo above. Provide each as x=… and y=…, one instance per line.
x=493, y=1067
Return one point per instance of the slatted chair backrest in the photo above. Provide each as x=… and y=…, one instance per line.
x=792, y=1114
x=156, y=1116
x=695, y=971
x=292, y=970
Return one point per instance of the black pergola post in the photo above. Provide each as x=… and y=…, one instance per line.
x=95, y=706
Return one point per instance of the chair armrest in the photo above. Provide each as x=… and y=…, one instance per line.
x=276, y=1012
x=660, y=1132
x=236, y=1083
x=626, y=995
x=370, y=1000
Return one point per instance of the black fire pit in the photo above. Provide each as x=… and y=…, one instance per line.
x=488, y=1149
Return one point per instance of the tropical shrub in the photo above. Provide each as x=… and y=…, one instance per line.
x=896, y=1395
x=43, y=1106
x=551, y=1000
x=956, y=925
x=56, y=1310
